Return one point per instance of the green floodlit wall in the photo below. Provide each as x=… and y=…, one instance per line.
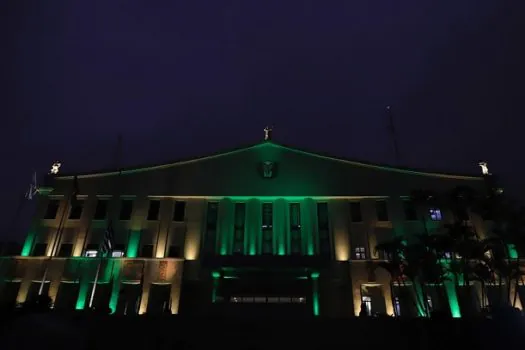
x=28, y=243
x=133, y=244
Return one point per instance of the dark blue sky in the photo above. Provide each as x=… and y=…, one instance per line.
x=183, y=78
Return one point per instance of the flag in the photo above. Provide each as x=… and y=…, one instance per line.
x=107, y=244
x=33, y=189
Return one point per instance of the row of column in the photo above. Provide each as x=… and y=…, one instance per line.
x=281, y=230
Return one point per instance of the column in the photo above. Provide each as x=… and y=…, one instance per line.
x=307, y=226
x=146, y=284
x=225, y=232
x=253, y=227
x=280, y=228
x=338, y=212
x=195, y=215
x=175, y=287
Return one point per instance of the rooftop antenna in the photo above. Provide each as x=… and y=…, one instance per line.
x=393, y=134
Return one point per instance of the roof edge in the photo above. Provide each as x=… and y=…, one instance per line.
x=137, y=169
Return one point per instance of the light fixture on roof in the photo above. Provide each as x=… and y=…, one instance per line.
x=484, y=168
x=55, y=168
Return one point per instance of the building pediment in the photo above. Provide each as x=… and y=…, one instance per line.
x=271, y=169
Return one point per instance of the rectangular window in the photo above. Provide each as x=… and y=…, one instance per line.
x=119, y=250
x=52, y=209
x=147, y=251
x=101, y=209
x=410, y=210
x=174, y=252
x=76, y=210
x=435, y=214
x=65, y=250
x=238, y=238
x=267, y=228
x=40, y=249
x=210, y=241
x=295, y=228
x=360, y=253
x=154, y=209
x=381, y=210
x=91, y=251
x=179, y=212
x=367, y=302
x=126, y=208
x=355, y=212
x=323, y=226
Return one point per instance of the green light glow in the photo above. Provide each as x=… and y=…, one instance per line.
x=28, y=244
x=452, y=299
x=315, y=293
x=133, y=244
x=83, y=289
x=215, y=275
x=513, y=253
x=113, y=301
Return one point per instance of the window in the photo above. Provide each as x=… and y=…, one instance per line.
x=210, y=240
x=154, y=208
x=91, y=250
x=397, y=306
x=147, y=251
x=435, y=214
x=52, y=209
x=355, y=212
x=65, y=250
x=410, y=210
x=367, y=304
x=101, y=209
x=238, y=238
x=179, y=212
x=76, y=210
x=381, y=210
x=126, y=208
x=267, y=228
x=429, y=303
x=360, y=253
x=40, y=249
x=295, y=228
x=447, y=255
x=91, y=253
x=174, y=252
x=323, y=226
x=118, y=252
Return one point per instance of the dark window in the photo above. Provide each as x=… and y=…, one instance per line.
x=52, y=209
x=101, y=210
x=211, y=228
x=295, y=228
x=40, y=249
x=267, y=228
x=154, y=208
x=125, y=209
x=410, y=210
x=65, y=250
x=323, y=226
x=381, y=209
x=174, y=252
x=355, y=212
x=147, y=251
x=238, y=238
x=76, y=210
x=179, y=211
x=462, y=214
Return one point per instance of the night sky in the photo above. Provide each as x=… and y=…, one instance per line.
x=185, y=78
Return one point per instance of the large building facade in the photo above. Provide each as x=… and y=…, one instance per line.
x=265, y=228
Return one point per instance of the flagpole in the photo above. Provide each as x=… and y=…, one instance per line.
x=56, y=241
x=393, y=132
x=94, y=284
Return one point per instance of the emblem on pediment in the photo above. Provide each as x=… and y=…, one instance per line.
x=268, y=169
